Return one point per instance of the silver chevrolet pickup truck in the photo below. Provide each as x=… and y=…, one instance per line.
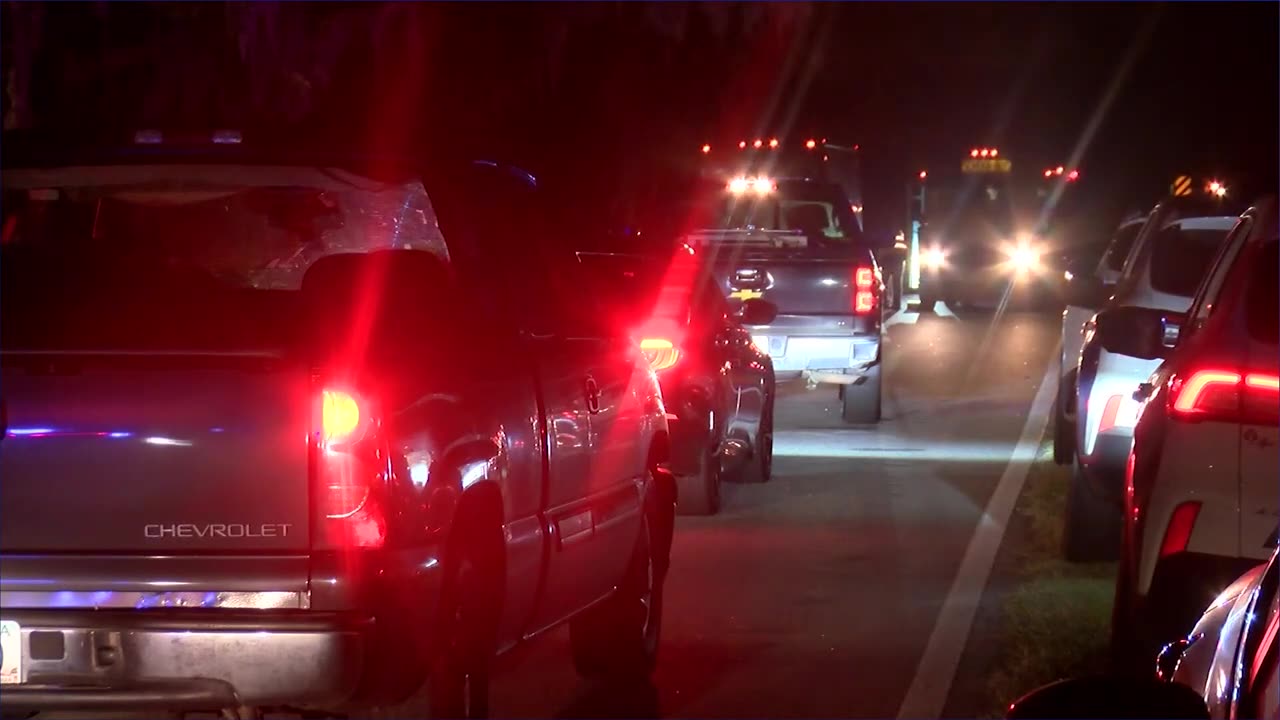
x=254, y=457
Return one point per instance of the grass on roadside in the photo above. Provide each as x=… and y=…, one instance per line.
x=1055, y=622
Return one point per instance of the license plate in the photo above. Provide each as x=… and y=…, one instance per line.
x=10, y=653
x=772, y=346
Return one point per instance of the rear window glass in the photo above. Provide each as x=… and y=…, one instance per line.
x=1264, y=298
x=182, y=254
x=1120, y=246
x=631, y=291
x=1180, y=258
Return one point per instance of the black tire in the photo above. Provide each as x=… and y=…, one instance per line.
x=700, y=494
x=1091, y=527
x=457, y=684
x=617, y=639
x=1064, y=431
x=860, y=402
x=928, y=303
x=759, y=468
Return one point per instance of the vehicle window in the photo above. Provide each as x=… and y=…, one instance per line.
x=131, y=249
x=1179, y=258
x=1207, y=297
x=1120, y=246
x=1263, y=304
x=817, y=211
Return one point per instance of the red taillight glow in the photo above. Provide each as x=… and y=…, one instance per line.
x=1225, y=395
x=340, y=416
x=1205, y=391
x=349, y=465
x=706, y=149
x=661, y=353
x=811, y=144
x=864, y=296
x=1178, y=535
x=1257, y=381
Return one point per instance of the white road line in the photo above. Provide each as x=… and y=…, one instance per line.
x=937, y=669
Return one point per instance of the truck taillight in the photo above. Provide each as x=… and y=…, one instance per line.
x=350, y=464
x=661, y=353
x=864, y=294
x=1225, y=395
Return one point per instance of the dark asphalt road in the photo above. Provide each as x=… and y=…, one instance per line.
x=815, y=595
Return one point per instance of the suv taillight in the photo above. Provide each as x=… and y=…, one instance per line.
x=350, y=467
x=1225, y=395
x=865, y=297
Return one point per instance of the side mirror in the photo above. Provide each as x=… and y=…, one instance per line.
x=757, y=312
x=1110, y=697
x=1143, y=333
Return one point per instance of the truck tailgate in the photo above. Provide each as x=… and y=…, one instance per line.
x=147, y=452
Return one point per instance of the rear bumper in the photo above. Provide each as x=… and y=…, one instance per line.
x=797, y=354
x=184, y=660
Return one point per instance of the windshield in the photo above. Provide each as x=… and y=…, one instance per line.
x=120, y=250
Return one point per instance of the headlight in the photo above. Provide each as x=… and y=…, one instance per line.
x=935, y=257
x=1026, y=258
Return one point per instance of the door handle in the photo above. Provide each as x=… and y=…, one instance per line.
x=592, y=389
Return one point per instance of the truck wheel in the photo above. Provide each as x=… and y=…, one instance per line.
x=1064, y=432
x=618, y=638
x=700, y=494
x=1091, y=531
x=457, y=684
x=860, y=403
x=760, y=468
x=928, y=302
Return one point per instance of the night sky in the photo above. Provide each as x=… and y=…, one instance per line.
x=593, y=92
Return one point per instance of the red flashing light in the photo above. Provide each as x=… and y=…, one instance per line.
x=1048, y=173
x=973, y=153
x=1073, y=175
x=758, y=144
x=706, y=149
x=1058, y=170
x=661, y=353
x=811, y=144
x=924, y=174
x=985, y=152
x=995, y=152
x=773, y=143
x=1177, y=536
x=742, y=145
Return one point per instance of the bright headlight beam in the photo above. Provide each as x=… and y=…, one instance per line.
x=935, y=258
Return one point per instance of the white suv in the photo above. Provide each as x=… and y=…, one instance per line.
x=1161, y=272
x=1080, y=307
x=1202, y=482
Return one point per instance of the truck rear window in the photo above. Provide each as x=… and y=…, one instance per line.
x=1180, y=258
x=140, y=256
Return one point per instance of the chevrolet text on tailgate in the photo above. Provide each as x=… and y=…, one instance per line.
x=242, y=427
x=772, y=229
